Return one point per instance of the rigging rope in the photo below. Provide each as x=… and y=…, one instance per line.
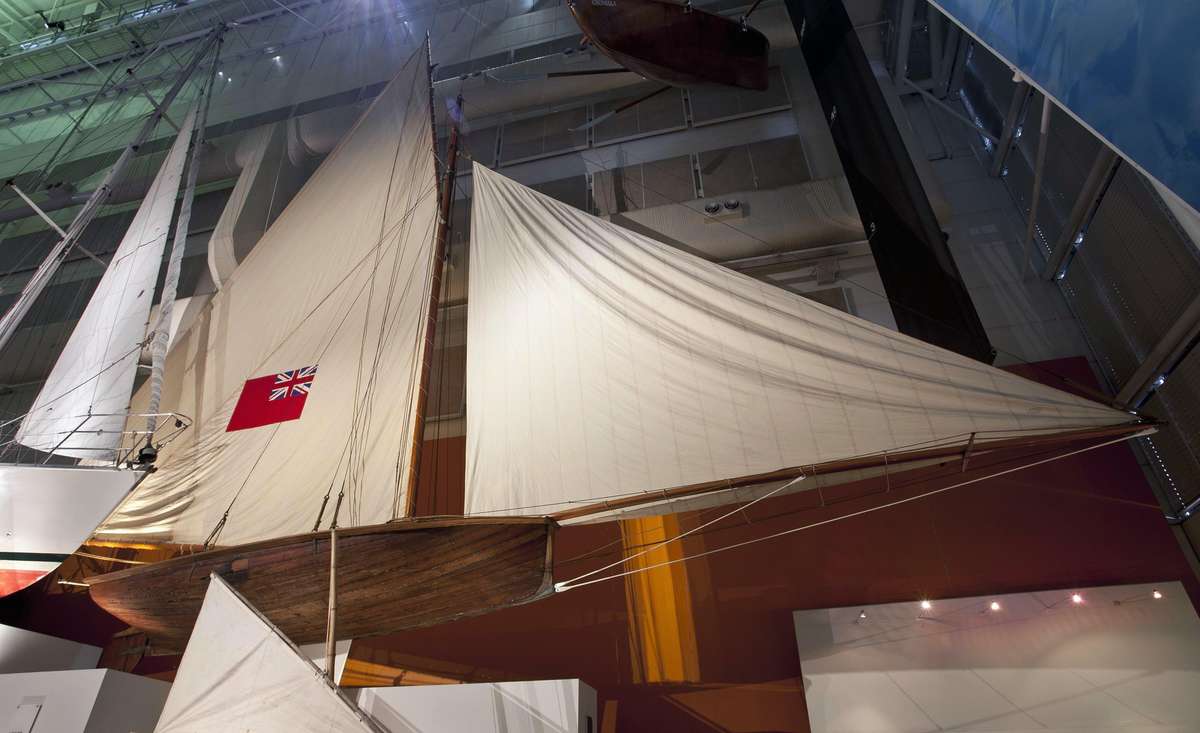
x=571, y=584
x=680, y=536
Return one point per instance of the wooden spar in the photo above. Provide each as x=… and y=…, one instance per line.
x=160, y=341
x=435, y=287
x=331, y=622
x=890, y=460
x=967, y=452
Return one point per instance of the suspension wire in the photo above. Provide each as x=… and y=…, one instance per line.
x=678, y=537
x=571, y=584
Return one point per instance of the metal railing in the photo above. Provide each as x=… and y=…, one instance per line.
x=128, y=451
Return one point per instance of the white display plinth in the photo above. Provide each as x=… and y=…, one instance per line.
x=80, y=701
x=562, y=706
x=29, y=651
x=1113, y=658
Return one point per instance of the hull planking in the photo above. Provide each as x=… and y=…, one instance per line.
x=390, y=577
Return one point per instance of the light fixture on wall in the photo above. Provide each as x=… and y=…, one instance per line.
x=926, y=605
x=1076, y=599
x=994, y=605
x=1155, y=595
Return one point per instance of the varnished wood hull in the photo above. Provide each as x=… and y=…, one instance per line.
x=391, y=577
x=663, y=40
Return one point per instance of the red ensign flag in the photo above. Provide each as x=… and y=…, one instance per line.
x=272, y=399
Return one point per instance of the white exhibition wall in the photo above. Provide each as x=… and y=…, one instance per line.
x=1118, y=659
x=80, y=701
x=543, y=706
x=29, y=651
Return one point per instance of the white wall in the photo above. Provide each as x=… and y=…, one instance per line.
x=85, y=701
x=29, y=651
x=315, y=653
x=542, y=706
x=1120, y=660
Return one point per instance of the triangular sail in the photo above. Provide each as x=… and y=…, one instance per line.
x=335, y=290
x=240, y=674
x=603, y=364
x=80, y=411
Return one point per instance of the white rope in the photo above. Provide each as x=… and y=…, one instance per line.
x=571, y=583
x=568, y=585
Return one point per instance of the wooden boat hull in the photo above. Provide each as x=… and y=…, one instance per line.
x=390, y=577
x=663, y=40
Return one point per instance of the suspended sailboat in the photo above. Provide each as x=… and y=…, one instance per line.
x=82, y=409
x=607, y=372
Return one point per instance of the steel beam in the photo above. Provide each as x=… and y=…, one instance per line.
x=959, y=71
x=952, y=112
x=941, y=81
x=1166, y=354
x=920, y=278
x=935, y=26
x=1035, y=196
x=903, y=38
x=1103, y=168
x=1012, y=120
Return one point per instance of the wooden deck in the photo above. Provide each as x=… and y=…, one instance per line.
x=391, y=577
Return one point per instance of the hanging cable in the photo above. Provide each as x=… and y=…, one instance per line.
x=571, y=584
x=680, y=536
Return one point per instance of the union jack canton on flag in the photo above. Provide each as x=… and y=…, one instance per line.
x=272, y=399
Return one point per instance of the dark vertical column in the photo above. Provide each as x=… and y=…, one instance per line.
x=927, y=294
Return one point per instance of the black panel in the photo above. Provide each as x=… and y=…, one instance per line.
x=923, y=284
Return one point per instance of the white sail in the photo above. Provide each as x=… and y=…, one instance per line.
x=334, y=293
x=239, y=673
x=80, y=411
x=602, y=363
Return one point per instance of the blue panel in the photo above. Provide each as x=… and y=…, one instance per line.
x=1129, y=68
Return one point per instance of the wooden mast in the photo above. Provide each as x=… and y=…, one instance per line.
x=331, y=616
x=435, y=287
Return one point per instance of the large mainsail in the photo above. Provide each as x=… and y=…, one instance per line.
x=80, y=411
x=602, y=364
x=339, y=284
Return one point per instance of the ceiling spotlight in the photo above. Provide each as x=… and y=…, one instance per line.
x=1156, y=594
x=863, y=614
x=926, y=606
x=712, y=207
x=1076, y=598
x=731, y=204
x=995, y=606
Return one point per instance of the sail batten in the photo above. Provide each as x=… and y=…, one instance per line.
x=603, y=363
x=80, y=411
x=330, y=295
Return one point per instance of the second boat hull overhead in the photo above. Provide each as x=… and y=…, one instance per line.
x=390, y=577
x=46, y=512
